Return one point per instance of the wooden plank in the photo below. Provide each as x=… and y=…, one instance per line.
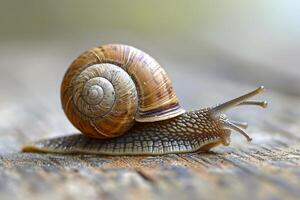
x=267, y=168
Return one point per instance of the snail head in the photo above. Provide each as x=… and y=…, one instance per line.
x=227, y=124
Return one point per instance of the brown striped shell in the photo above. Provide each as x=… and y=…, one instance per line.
x=106, y=89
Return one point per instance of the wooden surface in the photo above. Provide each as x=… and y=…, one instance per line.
x=266, y=168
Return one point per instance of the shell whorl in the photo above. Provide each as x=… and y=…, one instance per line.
x=107, y=88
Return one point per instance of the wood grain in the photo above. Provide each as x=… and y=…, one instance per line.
x=266, y=168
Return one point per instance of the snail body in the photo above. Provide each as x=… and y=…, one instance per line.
x=125, y=104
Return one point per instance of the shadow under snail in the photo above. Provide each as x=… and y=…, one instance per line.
x=125, y=104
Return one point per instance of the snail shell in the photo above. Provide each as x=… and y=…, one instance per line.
x=106, y=89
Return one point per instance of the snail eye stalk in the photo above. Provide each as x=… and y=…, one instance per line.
x=262, y=104
x=242, y=100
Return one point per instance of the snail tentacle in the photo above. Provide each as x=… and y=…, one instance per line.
x=238, y=101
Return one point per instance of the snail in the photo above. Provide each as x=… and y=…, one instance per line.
x=125, y=104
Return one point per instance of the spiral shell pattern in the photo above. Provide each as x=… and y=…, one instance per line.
x=107, y=88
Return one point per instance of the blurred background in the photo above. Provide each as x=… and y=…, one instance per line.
x=215, y=47
x=213, y=51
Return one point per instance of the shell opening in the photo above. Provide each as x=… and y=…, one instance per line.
x=161, y=114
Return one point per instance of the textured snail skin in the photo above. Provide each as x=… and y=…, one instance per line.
x=198, y=130
x=190, y=132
